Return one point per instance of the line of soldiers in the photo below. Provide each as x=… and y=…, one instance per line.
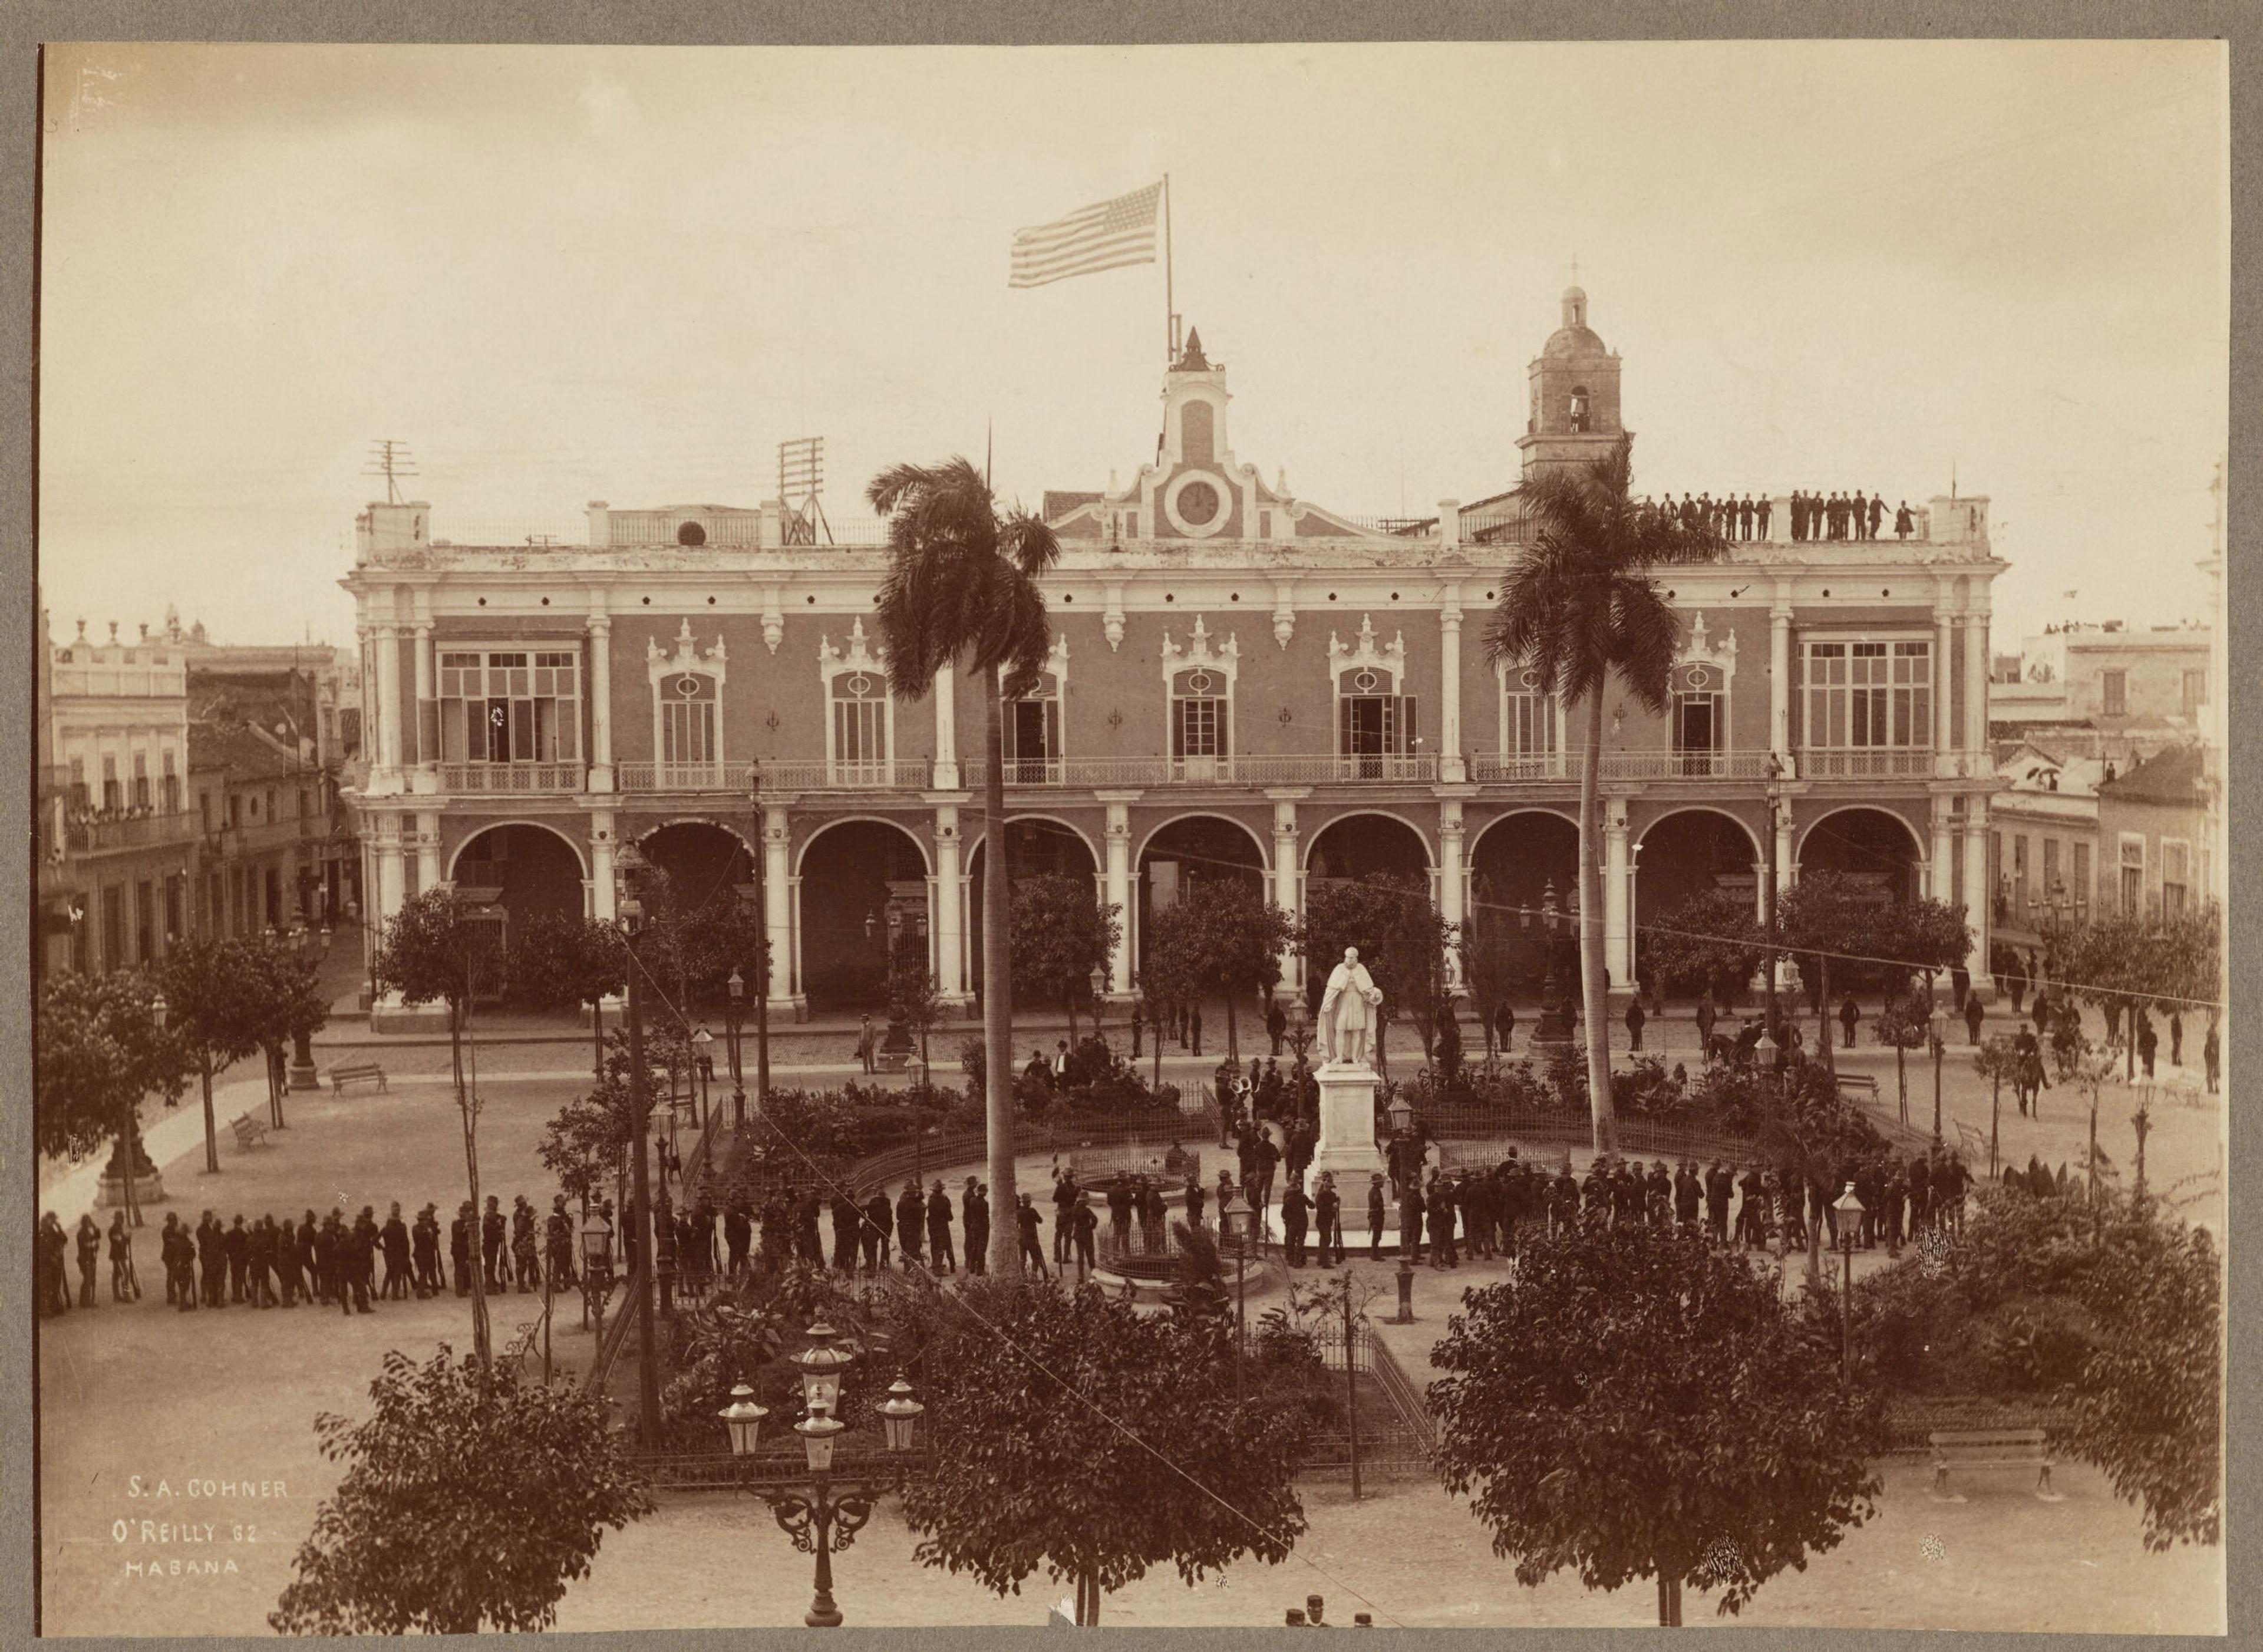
x=270, y=1261
x=790, y=1225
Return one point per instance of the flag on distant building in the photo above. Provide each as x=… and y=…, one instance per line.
x=1105, y=237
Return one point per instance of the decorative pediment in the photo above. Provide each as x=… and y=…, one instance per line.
x=687, y=658
x=1389, y=660
x=1699, y=651
x=1199, y=655
x=857, y=656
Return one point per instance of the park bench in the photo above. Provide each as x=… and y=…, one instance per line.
x=250, y=1132
x=523, y=1344
x=1859, y=1086
x=1991, y=1448
x=366, y=1072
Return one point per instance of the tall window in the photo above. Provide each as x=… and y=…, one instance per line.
x=2052, y=888
x=1202, y=724
x=2019, y=875
x=1531, y=724
x=1372, y=728
x=113, y=926
x=687, y=721
x=2081, y=880
x=174, y=884
x=141, y=780
x=2115, y=687
x=172, y=786
x=1870, y=696
x=145, y=920
x=2176, y=877
x=510, y=707
x=111, y=797
x=78, y=786
x=860, y=729
x=1699, y=717
x=2133, y=876
x=1033, y=733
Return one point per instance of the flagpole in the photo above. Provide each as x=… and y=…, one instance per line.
x=1170, y=318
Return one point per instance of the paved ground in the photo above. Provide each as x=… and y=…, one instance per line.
x=229, y=1398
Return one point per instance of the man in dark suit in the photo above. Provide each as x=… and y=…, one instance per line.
x=938, y=1230
x=911, y=1218
x=974, y=1225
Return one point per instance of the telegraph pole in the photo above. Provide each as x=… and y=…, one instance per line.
x=389, y=459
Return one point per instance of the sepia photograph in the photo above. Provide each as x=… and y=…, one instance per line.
x=1416, y=835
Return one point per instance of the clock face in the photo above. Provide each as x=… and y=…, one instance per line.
x=1199, y=503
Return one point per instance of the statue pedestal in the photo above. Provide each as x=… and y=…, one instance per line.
x=1347, y=1140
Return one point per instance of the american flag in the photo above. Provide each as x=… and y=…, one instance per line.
x=1105, y=237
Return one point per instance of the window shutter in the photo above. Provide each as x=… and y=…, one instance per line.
x=1409, y=724
x=1343, y=726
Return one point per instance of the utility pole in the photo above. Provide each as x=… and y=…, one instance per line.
x=641, y=1222
x=761, y=955
x=389, y=459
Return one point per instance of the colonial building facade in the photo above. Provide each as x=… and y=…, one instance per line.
x=1243, y=683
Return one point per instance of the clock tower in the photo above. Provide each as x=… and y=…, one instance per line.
x=1574, y=417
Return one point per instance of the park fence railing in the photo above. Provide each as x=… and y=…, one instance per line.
x=1386, y=1429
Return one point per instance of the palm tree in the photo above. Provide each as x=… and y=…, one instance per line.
x=962, y=589
x=1577, y=608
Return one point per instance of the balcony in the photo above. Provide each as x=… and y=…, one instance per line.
x=1494, y=767
x=682, y=777
x=140, y=831
x=259, y=836
x=1871, y=763
x=516, y=779
x=1685, y=766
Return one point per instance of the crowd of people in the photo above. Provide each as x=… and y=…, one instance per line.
x=272, y=1261
x=1813, y=516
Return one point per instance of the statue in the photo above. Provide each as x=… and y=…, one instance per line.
x=1348, y=1012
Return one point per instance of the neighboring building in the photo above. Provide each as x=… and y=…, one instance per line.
x=2107, y=691
x=264, y=821
x=533, y=707
x=116, y=839
x=2153, y=838
x=2042, y=853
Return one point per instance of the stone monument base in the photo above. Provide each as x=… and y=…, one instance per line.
x=1347, y=1140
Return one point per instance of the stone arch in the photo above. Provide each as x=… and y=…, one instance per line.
x=1687, y=851
x=706, y=860
x=1867, y=842
x=1351, y=845
x=1193, y=845
x=536, y=871
x=1056, y=851
x=864, y=884
x=581, y=853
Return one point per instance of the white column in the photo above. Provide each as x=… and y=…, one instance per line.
x=1975, y=678
x=428, y=850
x=1451, y=767
x=1978, y=898
x=601, y=889
x=601, y=699
x=427, y=740
x=1781, y=687
x=392, y=870
x=1618, y=928
x=1453, y=881
x=1944, y=633
x=946, y=730
x=1787, y=866
x=388, y=701
x=1288, y=887
x=1119, y=892
x=1940, y=871
x=949, y=948
x=778, y=903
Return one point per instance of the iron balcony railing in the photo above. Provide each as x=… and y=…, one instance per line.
x=1258, y=769
x=134, y=831
x=1871, y=763
x=512, y=778
x=1493, y=767
x=682, y=777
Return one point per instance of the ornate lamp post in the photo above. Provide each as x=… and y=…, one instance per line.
x=703, y=1042
x=737, y=987
x=1099, y=996
x=1555, y=1003
x=629, y=865
x=312, y=946
x=1850, y=1218
x=1236, y=1219
x=824, y=1518
x=762, y=951
x=596, y=1269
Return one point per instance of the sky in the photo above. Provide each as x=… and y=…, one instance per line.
x=566, y=274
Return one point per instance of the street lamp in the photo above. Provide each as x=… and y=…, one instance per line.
x=1099, y=995
x=596, y=1268
x=1849, y=1209
x=312, y=948
x=821, y=1519
x=737, y=986
x=629, y=869
x=1235, y=1220
x=703, y=1041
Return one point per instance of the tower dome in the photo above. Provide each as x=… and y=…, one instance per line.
x=1574, y=415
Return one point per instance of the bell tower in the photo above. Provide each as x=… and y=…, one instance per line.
x=1574, y=417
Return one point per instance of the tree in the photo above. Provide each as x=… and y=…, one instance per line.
x=98, y=1053
x=470, y=1501
x=2122, y=963
x=1578, y=608
x=1997, y=1061
x=558, y=961
x=1636, y=1403
x=1048, y=1404
x=436, y=950
x=1401, y=940
x=915, y=1001
x=1062, y=934
x=2149, y=1404
x=961, y=590
x=1829, y=913
x=1711, y=942
x=215, y=1010
x=288, y=988
x=1220, y=937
